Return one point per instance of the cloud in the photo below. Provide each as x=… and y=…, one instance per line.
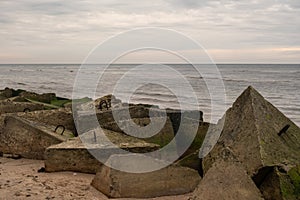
x=73, y=25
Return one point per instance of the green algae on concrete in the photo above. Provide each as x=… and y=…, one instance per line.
x=281, y=185
x=294, y=175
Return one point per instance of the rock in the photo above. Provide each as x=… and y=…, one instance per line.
x=227, y=180
x=73, y=155
x=252, y=130
x=276, y=183
x=26, y=138
x=172, y=180
x=6, y=93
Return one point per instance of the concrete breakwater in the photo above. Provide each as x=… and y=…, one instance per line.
x=256, y=156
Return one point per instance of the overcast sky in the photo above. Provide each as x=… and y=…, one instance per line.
x=236, y=31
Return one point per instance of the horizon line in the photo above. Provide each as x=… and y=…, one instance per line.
x=221, y=63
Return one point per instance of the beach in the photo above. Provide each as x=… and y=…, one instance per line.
x=20, y=180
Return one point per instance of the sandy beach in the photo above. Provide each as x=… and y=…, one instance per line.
x=19, y=179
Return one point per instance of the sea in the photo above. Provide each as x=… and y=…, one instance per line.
x=278, y=83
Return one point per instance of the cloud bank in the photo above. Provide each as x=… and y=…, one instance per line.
x=51, y=31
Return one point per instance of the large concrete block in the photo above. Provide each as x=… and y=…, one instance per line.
x=13, y=107
x=258, y=134
x=26, y=138
x=70, y=156
x=162, y=136
x=83, y=118
x=54, y=117
x=172, y=180
x=74, y=155
x=227, y=180
x=136, y=112
x=140, y=115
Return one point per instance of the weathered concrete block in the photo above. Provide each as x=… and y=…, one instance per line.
x=27, y=139
x=162, y=137
x=54, y=117
x=258, y=134
x=70, y=156
x=227, y=180
x=172, y=180
x=74, y=155
x=136, y=112
x=276, y=183
x=177, y=115
x=13, y=107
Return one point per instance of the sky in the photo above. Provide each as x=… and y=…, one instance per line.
x=232, y=31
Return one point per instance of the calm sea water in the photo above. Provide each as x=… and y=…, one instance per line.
x=277, y=83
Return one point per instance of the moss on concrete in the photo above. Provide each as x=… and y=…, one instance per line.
x=60, y=103
x=294, y=175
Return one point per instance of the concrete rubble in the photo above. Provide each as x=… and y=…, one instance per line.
x=171, y=180
x=140, y=115
x=257, y=155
